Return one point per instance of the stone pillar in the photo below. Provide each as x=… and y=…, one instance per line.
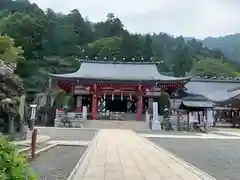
x=143, y=105
x=11, y=126
x=150, y=103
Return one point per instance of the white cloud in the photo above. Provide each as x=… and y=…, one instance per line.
x=198, y=18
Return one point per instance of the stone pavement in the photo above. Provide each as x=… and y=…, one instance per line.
x=123, y=155
x=69, y=143
x=40, y=139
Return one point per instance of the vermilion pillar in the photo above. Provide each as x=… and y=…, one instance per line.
x=139, y=104
x=94, y=106
x=139, y=107
x=94, y=102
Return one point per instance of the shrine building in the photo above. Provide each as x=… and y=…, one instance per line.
x=127, y=87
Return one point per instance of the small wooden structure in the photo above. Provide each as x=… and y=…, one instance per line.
x=228, y=114
x=187, y=108
x=227, y=105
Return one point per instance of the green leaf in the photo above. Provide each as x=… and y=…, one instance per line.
x=13, y=166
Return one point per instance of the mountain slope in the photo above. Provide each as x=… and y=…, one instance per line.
x=229, y=45
x=53, y=42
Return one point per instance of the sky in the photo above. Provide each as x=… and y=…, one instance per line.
x=190, y=18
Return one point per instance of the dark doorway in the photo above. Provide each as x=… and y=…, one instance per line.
x=120, y=104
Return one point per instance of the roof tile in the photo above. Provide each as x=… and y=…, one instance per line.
x=119, y=71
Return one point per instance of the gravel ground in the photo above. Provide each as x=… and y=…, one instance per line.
x=57, y=163
x=68, y=134
x=223, y=134
x=168, y=132
x=184, y=133
x=218, y=158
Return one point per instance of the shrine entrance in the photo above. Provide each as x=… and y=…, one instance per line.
x=121, y=104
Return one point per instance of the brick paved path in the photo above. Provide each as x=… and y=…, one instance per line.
x=123, y=155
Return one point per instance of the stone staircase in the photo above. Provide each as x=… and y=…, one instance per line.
x=113, y=124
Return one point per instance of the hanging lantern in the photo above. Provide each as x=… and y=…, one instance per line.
x=112, y=96
x=104, y=96
x=121, y=97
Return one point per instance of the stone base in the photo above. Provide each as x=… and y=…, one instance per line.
x=156, y=126
x=74, y=124
x=20, y=136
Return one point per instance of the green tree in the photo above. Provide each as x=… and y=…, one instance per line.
x=131, y=46
x=182, y=62
x=53, y=41
x=26, y=30
x=111, y=27
x=105, y=47
x=9, y=53
x=81, y=30
x=212, y=67
x=147, y=47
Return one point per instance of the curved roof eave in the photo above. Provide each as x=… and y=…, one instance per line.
x=223, y=96
x=121, y=72
x=68, y=75
x=157, y=79
x=200, y=104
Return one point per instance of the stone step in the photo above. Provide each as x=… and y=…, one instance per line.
x=113, y=124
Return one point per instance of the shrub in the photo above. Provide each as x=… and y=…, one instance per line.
x=13, y=166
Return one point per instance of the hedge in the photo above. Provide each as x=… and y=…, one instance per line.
x=13, y=165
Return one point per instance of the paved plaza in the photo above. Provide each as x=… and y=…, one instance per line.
x=219, y=158
x=124, y=155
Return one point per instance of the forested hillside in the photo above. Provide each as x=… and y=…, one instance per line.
x=229, y=45
x=52, y=41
